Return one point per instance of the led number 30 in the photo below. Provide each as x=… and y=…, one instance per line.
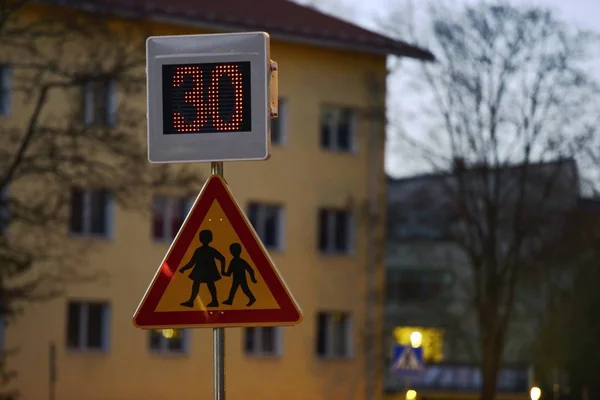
x=195, y=96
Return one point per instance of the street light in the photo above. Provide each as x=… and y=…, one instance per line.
x=535, y=393
x=411, y=394
x=415, y=339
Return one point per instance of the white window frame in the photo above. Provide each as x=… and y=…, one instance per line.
x=83, y=326
x=89, y=115
x=330, y=341
x=258, y=351
x=259, y=227
x=164, y=343
x=6, y=73
x=331, y=228
x=86, y=217
x=169, y=211
x=353, y=124
x=282, y=121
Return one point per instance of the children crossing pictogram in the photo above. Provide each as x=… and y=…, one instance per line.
x=216, y=273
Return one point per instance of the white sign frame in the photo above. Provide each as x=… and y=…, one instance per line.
x=212, y=48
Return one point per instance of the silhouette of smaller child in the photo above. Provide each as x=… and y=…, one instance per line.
x=238, y=267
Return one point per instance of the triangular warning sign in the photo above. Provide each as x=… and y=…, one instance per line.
x=216, y=273
x=408, y=361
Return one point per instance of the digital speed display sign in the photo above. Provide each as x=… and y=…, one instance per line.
x=203, y=98
x=208, y=97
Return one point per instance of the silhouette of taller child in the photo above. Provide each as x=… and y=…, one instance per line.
x=205, y=269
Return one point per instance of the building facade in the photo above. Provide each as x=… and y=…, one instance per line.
x=429, y=281
x=308, y=203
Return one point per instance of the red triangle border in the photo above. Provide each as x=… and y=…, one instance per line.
x=215, y=189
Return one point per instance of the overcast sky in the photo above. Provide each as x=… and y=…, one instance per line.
x=585, y=13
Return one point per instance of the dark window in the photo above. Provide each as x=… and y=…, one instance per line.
x=335, y=231
x=322, y=337
x=262, y=341
x=337, y=128
x=159, y=208
x=168, y=340
x=4, y=210
x=77, y=213
x=334, y=333
x=5, y=89
x=87, y=325
x=99, y=102
x=417, y=285
x=90, y=211
x=168, y=215
x=98, y=208
x=250, y=340
x=95, y=325
x=279, y=124
x=74, y=324
x=267, y=220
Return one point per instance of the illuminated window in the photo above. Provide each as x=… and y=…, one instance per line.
x=100, y=102
x=335, y=231
x=5, y=89
x=267, y=220
x=168, y=214
x=279, y=125
x=408, y=285
x=432, y=341
x=334, y=335
x=168, y=340
x=263, y=341
x=91, y=212
x=338, y=126
x=88, y=325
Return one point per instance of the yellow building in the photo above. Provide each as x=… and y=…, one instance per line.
x=317, y=204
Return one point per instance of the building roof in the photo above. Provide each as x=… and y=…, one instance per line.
x=445, y=174
x=282, y=19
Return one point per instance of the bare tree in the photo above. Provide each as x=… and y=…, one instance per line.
x=502, y=114
x=566, y=345
x=338, y=8
x=60, y=131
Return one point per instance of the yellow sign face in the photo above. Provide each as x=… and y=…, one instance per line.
x=217, y=273
x=238, y=285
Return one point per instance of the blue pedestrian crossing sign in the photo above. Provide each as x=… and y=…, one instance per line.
x=407, y=360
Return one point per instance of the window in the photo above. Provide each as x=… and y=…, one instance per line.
x=335, y=231
x=279, y=124
x=99, y=102
x=168, y=340
x=432, y=341
x=267, y=220
x=168, y=215
x=4, y=210
x=87, y=325
x=264, y=341
x=91, y=212
x=2, y=333
x=5, y=89
x=337, y=128
x=334, y=335
x=405, y=285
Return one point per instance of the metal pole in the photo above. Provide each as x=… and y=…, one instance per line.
x=216, y=168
